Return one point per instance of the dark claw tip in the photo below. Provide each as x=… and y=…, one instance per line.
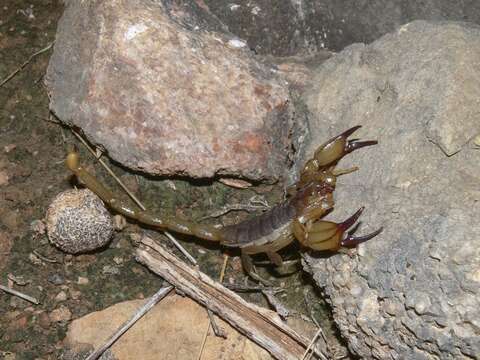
x=350, y=131
x=351, y=220
x=352, y=241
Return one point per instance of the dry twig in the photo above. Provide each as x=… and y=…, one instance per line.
x=180, y=248
x=260, y=325
x=20, y=295
x=210, y=314
x=20, y=68
x=281, y=310
x=44, y=258
x=312, y=343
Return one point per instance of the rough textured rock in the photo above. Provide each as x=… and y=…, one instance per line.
x=302, y=26
x=78, y=222
x=413, y=292
x=165, y=96
x=173, y=329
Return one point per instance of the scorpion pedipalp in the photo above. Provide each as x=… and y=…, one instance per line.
x=328, y=235
x=337, y=147
x=330, y=153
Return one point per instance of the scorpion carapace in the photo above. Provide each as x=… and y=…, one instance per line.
x=298, y=217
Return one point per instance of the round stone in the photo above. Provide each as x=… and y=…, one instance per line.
x=78, y=222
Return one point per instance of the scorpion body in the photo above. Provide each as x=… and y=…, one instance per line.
x=298, y=217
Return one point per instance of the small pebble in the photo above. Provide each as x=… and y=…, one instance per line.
x=118, y=260
x=82, y=280
x=75, y=294
x=119, y=222
x=9, y=148
x=236, y=43
x=61, y=296
x=60, y=314
x=34, y=259
x=38, y=227
x=44, y=320
x=78, y=222
x=138, y=271
x=110, y=270
x=3, y=178
x=56, y=279
x=476, y=140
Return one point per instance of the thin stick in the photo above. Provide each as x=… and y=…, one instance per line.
x=159, y=295
x=224, y=267
x=41, y=51
x=217, y=330
x=19, y=294
x=317, y=334
x=245, y=288
x=110, y=171
x=131, y=195
x=44, y=258
x=281, y=310
x=222, y=275
x=260, y=325
x=180, y=247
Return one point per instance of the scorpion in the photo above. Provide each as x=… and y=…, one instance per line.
x=298, y=217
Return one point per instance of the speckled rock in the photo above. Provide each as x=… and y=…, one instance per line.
x=413, y=292
x=165, y=94
x=78, y=222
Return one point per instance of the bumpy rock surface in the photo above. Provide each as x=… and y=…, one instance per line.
x=165, y=94
x=78, y=222
x=413, y=292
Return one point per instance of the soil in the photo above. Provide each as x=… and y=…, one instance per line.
x=32, y=150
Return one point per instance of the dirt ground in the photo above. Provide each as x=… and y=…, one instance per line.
x=32, y=173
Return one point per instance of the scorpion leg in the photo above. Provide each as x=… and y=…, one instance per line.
x=328, y=235
x=249, y=268
x=275, y=258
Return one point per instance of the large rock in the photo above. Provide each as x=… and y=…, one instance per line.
x=173, y=329
x=163, y=95
x=413, y=292
x=305, y=26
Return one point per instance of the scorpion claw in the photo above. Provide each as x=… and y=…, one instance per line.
x=347, y=224
x=354, y=145
x=327, y=235
x=346, y=133
x=337, y=147
x=352, y=241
